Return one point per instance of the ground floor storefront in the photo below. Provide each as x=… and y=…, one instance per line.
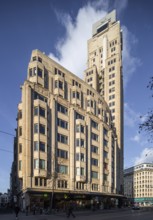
x=60, y=200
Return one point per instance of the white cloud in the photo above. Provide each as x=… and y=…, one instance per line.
x=146, y=156
x=130, y=63
x=72, y=47
x=136, y=138
x=120, y=5
x=131, y=118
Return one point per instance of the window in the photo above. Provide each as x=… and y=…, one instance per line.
x=36, y=111
x=42, y=146
x=111, y=96
x=112, y=89
x=56, y=84
x=36, y=145
x=105, y=154
x=36, y=181
x=62, y=138
x=62, y=153
x=62, y=109
x=40, y=97
x=105, y=177
x=35, y=128
x=36, y=164
x=20, y=131
x=80, y=157
x=94, y=149
x=111, y=104
x=73, y=94
x=39, y=111
x=39, y=72
x=78, y=95
x=62, y=123
x=39, y=59
x=94, y=124
x=42, y=164
x=60, y=85
x=30, y=72
x=94, y=136
x=90, y=103
x=42, y=129
x=111, y=82
x=62, y=169
x=95, y=187
x=19, y=114
x=94, y=174
x=79, y=171
x=20, y=148
x=62, y=184
x=80, y=128
x=34, y=58
x=20, y=164
x=105, y=131
x=94, y=161
x=79, y=116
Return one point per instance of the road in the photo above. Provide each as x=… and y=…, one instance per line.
x=106, y=215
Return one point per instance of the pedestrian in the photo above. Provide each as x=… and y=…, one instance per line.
x=27, y=210
x=34, y=209
x=16, y=210
x=70, y=211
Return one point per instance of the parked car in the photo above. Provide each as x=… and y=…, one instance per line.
x=136, y=207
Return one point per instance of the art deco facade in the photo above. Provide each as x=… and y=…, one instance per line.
x=138, y=184
x=104, y=74
x=70, y=130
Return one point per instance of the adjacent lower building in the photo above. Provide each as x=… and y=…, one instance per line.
x=69, y=144
x=138, y=184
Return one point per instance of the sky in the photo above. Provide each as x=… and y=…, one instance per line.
x=60, y=29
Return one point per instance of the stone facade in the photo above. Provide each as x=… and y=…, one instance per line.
x=138, y=184
x=70, y=139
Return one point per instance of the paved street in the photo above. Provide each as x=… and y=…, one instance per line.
x=122, y=214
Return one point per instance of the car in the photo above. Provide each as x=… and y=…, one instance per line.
x=136, y=207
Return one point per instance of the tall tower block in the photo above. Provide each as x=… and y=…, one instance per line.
x=104, y=74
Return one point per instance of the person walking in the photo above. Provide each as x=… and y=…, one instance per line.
x=16, y=210
x=34, y=209
x=70, y=211
x=27, y=208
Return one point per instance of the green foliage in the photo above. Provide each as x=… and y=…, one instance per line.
x=147, y=124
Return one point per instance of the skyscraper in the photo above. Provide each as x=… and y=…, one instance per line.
x=104, y=73
x=69, y=132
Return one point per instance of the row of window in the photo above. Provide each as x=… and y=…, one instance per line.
x=39, y=59
x=60, y=108
x=111, y=75
x=75, y=83
x=35, y=71
x=111, y=68
x=111, y=82
x=112, y=61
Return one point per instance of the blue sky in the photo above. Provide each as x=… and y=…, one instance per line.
x=61, y=28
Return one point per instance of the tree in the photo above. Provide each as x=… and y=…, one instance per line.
x=147, y=124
